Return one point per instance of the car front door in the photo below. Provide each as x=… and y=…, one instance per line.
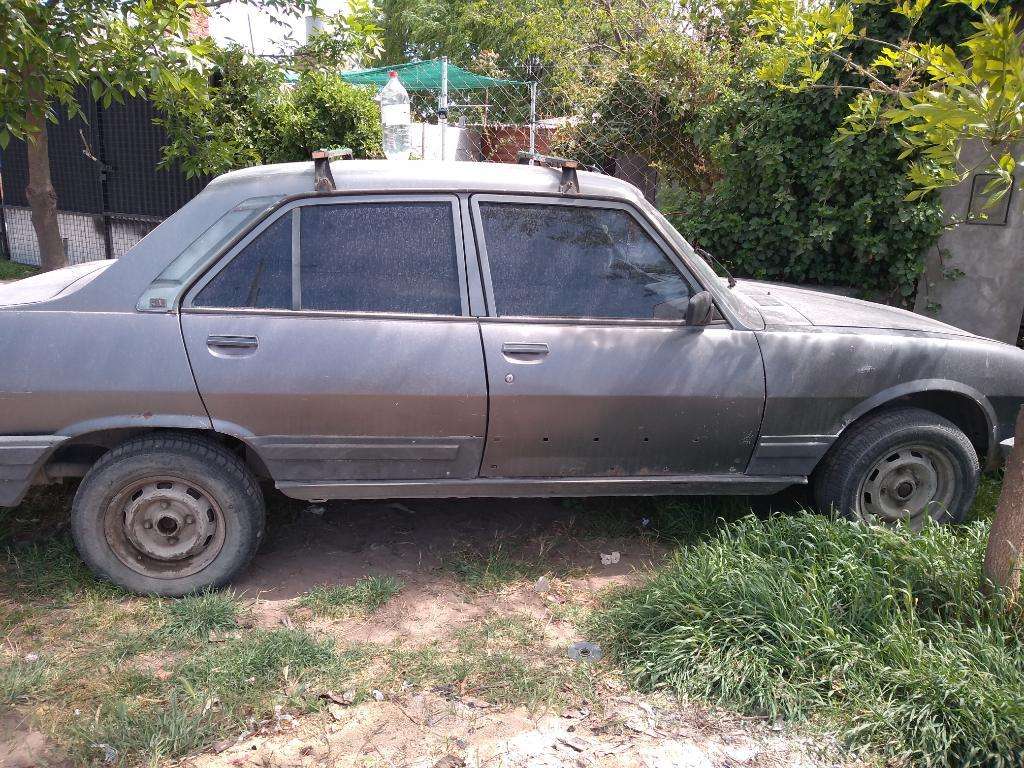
x=335, y=340
x=584, y=380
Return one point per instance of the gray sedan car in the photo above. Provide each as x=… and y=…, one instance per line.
x=455, y=330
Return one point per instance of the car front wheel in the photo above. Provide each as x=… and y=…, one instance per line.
x=901, y=465
x=168, y=514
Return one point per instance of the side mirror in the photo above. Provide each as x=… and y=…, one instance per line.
x=672, y=309
x=699, y=309
x=696, y=310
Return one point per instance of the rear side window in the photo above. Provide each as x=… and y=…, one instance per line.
x=259, y=276
x=575, y=261
x=380, y=257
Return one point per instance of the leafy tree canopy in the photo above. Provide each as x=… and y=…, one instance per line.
x=933, y=94
x=115, y=48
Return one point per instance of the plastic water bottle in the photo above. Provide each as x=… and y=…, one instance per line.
x=394, y=118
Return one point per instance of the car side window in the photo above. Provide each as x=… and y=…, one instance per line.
x=380, y=257
x=575, y=261
x=258, y=277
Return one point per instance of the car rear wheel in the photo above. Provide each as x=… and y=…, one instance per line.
x=168, y=515
x=903, y=465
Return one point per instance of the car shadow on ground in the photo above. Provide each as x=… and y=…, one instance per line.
x=341, y=541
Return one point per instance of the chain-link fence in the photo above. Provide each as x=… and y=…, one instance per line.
x=532, y=106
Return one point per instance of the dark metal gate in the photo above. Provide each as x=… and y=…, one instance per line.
x=110, y=193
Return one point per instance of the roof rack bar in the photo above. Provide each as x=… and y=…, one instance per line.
x=570, y=181
x=323, y=179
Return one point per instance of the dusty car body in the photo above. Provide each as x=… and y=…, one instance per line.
x=455, y=330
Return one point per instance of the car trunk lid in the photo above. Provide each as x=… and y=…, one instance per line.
x=50, y=285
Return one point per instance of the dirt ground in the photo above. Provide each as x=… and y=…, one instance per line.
x=427, y=731
x=409, y=725
x=411, y=540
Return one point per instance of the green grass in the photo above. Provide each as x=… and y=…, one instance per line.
x=367, y=595
x=12, y=270
x=20, y=679
x=501, y=660
x=132, y=734
x=215, y=690
x=491, y=570
x=52, y=570
x=878, y=635
x=676, y=520
x=196, y=616
x=984, y=507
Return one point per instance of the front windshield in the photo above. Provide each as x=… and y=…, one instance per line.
x=707, y=274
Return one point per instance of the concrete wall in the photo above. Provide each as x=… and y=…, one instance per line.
x=974, y=277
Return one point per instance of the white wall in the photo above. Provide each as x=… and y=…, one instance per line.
x=459, y=143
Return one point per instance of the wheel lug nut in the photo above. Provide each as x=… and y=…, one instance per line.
x=147, y=524
x=189, y=519
x=164, y=504
x=173, y=539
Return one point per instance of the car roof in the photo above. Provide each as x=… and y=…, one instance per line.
x=377, y=176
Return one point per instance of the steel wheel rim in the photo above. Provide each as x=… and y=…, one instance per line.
x=164, y=527
x=910, y=484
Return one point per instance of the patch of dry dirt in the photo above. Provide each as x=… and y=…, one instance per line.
x=22, y=746
x=411, y=541
x=425, y=730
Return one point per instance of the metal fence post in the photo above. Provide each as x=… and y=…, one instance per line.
x=101, y=149
x=533, y=117
x=5, y=244
x=442, y=111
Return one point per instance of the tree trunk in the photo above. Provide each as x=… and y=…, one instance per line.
x=41, y=196
x=1003, y=560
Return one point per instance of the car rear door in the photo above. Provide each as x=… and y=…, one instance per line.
x=584, y=381
x=336, y=340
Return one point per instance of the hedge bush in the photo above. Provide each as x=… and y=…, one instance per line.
x=793, y=204
x=248, y=117
x=789, y=202
x=323, y=112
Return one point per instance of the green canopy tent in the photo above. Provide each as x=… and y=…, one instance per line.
x=432, y=75
x=438, y=75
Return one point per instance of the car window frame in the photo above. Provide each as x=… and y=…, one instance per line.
x=292, y=208
x=641, y=220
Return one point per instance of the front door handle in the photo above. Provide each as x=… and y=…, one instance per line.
x=524, y=348
x=232, y=342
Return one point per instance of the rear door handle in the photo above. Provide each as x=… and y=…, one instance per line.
x=232, y=342
x=524, y=348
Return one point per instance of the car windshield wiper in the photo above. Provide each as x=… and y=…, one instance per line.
x=706, y=255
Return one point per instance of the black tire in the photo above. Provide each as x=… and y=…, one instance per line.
x=205, y=503
x=895, y=452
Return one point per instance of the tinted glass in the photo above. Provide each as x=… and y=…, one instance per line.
x=568, y=261
x=380, y=257
x=259, y=277
x=162, y=291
